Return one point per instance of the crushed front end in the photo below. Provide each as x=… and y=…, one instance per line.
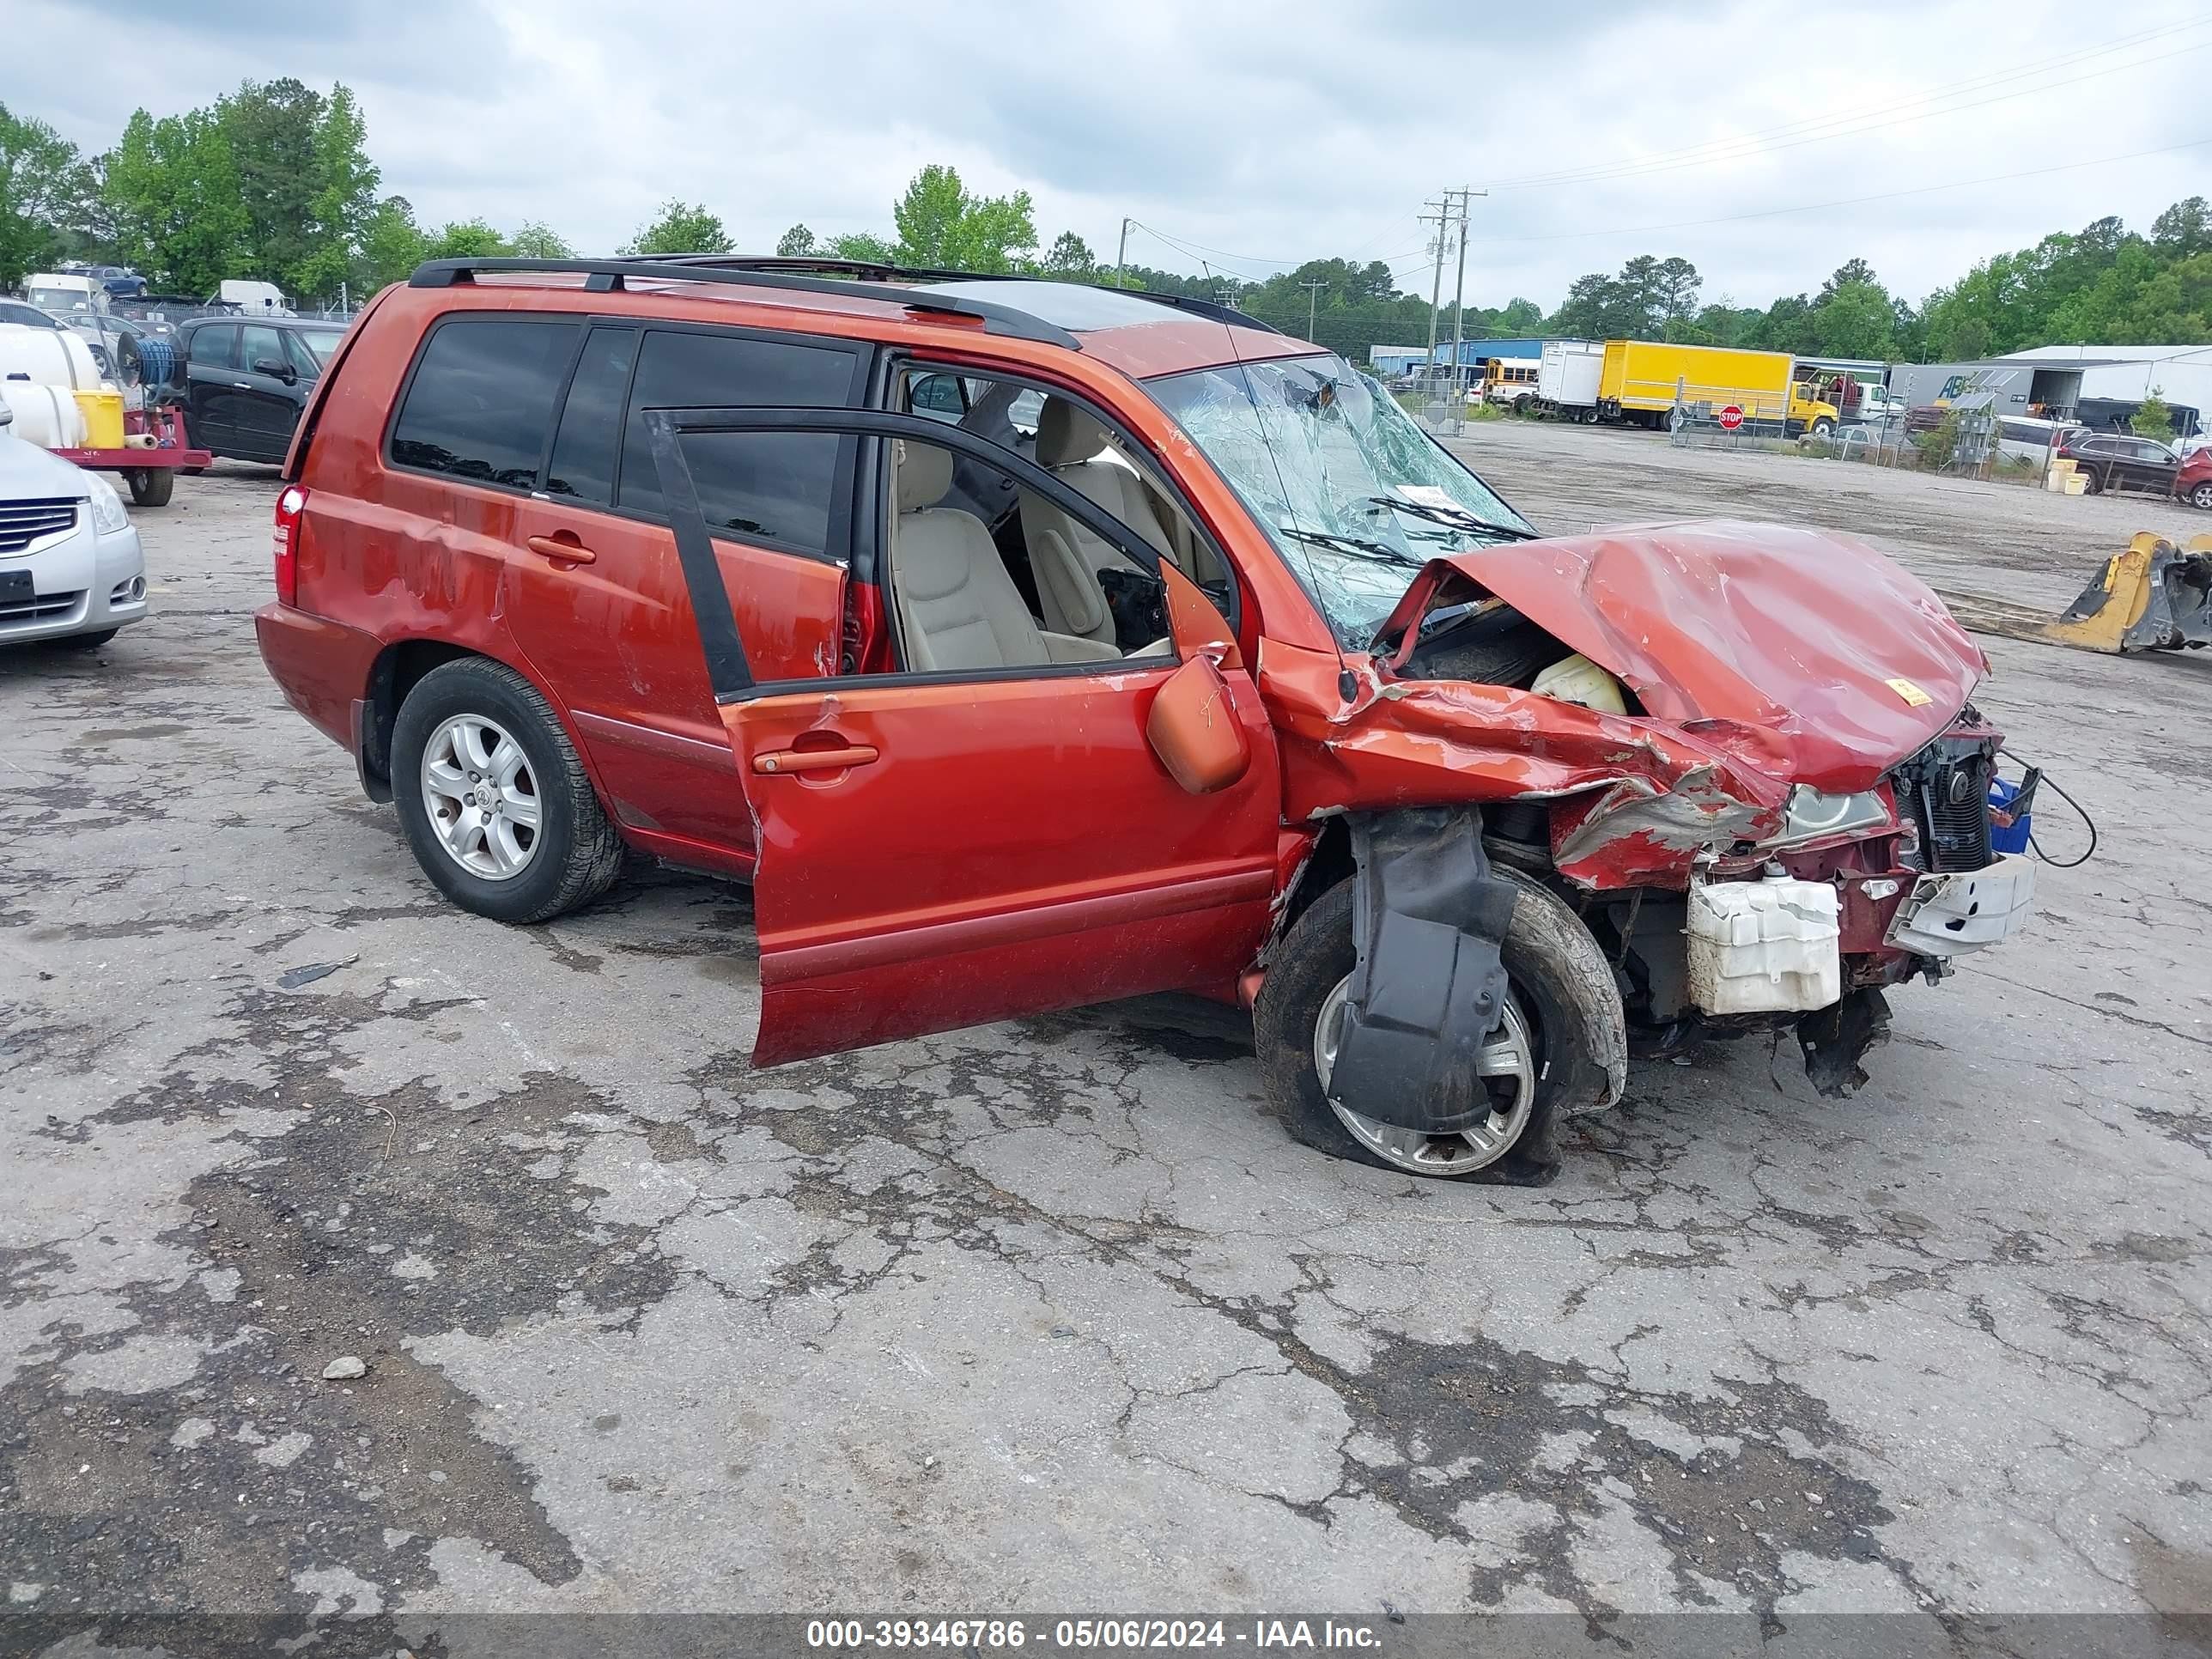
x=1778, y=809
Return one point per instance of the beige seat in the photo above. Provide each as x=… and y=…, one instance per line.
x=957, y=606
x=1065, y=554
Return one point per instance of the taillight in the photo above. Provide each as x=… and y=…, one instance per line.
x=285, y=542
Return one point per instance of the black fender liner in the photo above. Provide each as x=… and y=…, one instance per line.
x=1428, y=916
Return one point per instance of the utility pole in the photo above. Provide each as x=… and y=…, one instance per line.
x=1313, y=298
x=1121, y=253
x=1443, y=206
x=1459, y=306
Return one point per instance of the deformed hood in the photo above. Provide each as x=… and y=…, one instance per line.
x=1847, y=661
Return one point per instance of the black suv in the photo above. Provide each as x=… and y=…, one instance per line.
x=244, y=381
x=2116, y=461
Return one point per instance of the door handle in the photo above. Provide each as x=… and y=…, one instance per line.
x=561, y=546
x=814, y=760
x=239, y=385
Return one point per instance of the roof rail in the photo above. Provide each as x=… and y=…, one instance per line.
x=850, y=273
x=609, y=275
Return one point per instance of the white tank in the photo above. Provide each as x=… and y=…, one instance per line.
x=47, y=416
x=48, y=357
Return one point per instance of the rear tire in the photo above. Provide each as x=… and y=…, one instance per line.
x=1558, y=979
x=2094, y=486
x=573, y=853
x=151, y=486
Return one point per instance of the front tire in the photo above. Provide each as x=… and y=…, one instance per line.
x=495, y=802
x=2201, y=497
x=1563, y=1019
x=1824, y=428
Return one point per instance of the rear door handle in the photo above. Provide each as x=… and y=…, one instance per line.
x=814, y=760
x=562, y=546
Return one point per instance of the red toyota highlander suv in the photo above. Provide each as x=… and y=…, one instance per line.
x=1028, y=644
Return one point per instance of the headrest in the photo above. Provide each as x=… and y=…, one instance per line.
x=924, y=473
x=1067, y=435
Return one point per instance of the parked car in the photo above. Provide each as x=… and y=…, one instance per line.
x=2192, y=481
x=71, y=572
x=243, y=382
x=576, y=555
x=28, y=315
x=2117, y=463
x=129, y=352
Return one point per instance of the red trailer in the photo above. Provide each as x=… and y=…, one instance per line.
x=155, y=449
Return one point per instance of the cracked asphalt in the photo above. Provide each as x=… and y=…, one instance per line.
x=1048, y=1315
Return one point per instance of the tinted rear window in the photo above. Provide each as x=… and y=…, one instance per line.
x=778, y=486
x=480, y=406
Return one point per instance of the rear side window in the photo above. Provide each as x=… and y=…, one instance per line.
x=775, y=486
x=214, y=348
x=480, y=403
x=591, y=426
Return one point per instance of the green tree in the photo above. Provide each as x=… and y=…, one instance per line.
x=2185, y=229
x=2153, y=418
x=345, y=182
x=467, y=238
x=941, y=225
x=172, y=187
x=533, y=240
x=1855, y=319
x=270, y=131
x=44, y=190
x=1069, y=256
x=795, y=244
x=861, y=245
x=391, y=245
x=681, y=228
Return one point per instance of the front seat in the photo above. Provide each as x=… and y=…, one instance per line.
x=1065, y=555
x=957, y=606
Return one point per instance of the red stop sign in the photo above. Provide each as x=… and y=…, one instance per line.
x=1731, y=417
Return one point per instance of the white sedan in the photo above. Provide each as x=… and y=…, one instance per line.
x=71, y=570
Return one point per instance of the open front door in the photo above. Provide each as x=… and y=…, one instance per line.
x=957, y=845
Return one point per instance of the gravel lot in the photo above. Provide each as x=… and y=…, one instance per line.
x=1052, y=1314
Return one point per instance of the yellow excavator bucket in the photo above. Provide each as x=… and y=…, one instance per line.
x=2155, y=597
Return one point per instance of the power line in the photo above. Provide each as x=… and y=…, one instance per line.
x=1796, y=133
x=1855, y=201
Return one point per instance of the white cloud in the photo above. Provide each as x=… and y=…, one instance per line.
x=1276, y=132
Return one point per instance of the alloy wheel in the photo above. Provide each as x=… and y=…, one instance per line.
x=1506, y=1064
x=481, y=797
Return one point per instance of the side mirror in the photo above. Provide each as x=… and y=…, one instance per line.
x=1194, y=730
x=283, y=372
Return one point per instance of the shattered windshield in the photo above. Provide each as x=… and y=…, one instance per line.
x=1355, y=495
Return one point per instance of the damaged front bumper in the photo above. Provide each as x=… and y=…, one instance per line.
x=1965, y=910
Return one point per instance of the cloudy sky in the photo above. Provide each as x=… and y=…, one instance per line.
x=1254, y=135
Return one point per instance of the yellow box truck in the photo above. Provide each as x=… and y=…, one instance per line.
x=1643, y=381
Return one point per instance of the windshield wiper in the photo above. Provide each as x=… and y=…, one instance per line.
x=1456, y=516
x=1358, y=545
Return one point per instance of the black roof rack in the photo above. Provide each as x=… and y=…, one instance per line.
x=873, y=270
x=607, y=275
x=813, y=273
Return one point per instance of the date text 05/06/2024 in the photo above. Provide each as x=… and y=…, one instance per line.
x=1131, y=1634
